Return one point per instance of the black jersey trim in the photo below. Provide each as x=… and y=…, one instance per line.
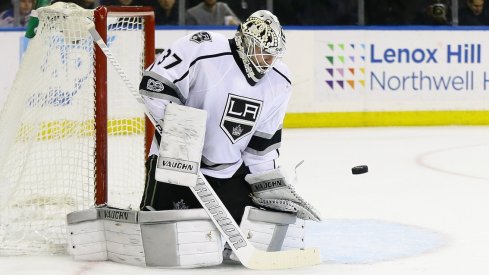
x=260, y=145
x=241, y=66
x=197, y=59
x=288, y=80
x=275, y=147
x=157, y=136
x=154, y=85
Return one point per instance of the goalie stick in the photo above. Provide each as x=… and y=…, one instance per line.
x=248, y=255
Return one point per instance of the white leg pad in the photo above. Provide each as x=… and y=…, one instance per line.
x=172, y=238
x=182, y=142
x=86, y=240
x=271, y=231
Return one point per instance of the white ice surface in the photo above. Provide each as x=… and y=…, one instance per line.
x=423, y=208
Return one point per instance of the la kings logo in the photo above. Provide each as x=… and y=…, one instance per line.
x=155, y=85
x=240, y=116
x=201, y=37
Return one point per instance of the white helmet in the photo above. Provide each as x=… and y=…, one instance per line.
x=261, y=41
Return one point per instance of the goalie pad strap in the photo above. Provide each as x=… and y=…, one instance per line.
x=258, y=215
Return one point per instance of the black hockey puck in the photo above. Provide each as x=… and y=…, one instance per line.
x=360, y=169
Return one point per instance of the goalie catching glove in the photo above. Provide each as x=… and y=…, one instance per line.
x=272, y=189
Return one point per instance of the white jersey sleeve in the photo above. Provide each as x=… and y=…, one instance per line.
x=169, y=77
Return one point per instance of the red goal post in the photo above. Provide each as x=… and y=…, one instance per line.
x=100, y=17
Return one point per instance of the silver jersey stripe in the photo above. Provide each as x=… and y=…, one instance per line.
x=264, y=152
x=161, y=96
x=210, y=165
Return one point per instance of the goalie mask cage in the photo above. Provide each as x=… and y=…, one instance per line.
x=71, y=134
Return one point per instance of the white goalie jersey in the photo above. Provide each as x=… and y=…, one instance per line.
x=244, y=116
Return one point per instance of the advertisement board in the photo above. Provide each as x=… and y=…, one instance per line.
x=360, y=76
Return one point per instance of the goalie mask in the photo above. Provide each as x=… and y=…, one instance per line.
x=261, y=42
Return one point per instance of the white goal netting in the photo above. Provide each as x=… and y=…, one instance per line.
x=47, y=129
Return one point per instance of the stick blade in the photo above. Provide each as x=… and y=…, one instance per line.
x=263, y=260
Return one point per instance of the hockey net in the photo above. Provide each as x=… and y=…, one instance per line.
x=71, y=134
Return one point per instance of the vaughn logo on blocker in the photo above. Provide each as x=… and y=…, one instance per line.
x=240, y=116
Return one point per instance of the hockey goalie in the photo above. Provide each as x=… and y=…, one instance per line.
x=244, y=87
x=220, y=105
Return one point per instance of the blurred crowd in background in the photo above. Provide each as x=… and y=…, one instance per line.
x=15, y=13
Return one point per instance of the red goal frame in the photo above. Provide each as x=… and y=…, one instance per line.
x=100, y=16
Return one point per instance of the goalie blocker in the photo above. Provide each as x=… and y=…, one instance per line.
x=181, y=145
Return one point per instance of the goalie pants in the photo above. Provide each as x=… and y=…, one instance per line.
x=234, y=192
